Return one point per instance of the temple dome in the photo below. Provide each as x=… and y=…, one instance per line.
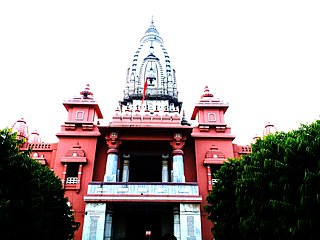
x=34, y=137
x=21, y=128
x=269, y=129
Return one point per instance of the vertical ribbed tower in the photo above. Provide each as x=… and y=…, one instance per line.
x=151, y=81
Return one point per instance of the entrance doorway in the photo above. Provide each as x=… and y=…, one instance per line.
x=131, y=221
x=139, y=226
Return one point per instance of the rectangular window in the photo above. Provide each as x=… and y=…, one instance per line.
x=212, y=117
x=72, y=173
x=214, y=169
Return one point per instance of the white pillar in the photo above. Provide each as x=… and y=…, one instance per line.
x=176, y=222
x=178, y=166
x=108, y=225
x=165, y=176
x=190, y=221
x=125, y=170
x=111, y=166
x=94, y=221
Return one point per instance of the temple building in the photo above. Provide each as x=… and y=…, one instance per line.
x=148, y=172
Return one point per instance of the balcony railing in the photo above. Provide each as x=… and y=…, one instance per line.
x=136, y=191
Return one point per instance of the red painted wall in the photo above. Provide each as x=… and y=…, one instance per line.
x=196, y=142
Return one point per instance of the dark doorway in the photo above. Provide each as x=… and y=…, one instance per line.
x=132, y=220
x=139, y=223
x=145, y=168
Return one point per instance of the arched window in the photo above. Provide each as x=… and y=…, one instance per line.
x=79, y=115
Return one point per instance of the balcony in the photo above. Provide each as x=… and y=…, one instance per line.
x=142, y=192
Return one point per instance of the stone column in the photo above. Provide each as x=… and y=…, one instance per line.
x=79, y=176
x=125, y=170
x=165, y=176
x=111, y=166
x=176, y=222
x=64, y=175
x=178, y=166
x=190, y=221
x=94, y=221
x=108, y=225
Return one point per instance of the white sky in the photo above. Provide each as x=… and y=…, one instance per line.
x=262, y=57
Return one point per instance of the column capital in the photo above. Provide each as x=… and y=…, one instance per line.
x=113, y=150
x=165, y=156
x=177, y=152
x=113, y=144
x=126, y=162
x=177, y=145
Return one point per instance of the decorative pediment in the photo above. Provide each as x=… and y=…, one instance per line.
x=214, y=156
x=75, y=154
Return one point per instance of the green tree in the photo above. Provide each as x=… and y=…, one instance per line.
x=222, y=199
x=276, y=192
x=32, y=202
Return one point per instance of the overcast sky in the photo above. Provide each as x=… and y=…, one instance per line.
x=261, y=57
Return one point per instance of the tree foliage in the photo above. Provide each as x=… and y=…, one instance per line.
x=272, y=193
x=222, y=201
x=32, y=202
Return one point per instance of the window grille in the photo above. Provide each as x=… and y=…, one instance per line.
x=72, y=180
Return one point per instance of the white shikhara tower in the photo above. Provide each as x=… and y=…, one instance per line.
x=151, y=83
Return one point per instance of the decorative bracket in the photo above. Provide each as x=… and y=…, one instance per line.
x=112, y=141
x=178, y=142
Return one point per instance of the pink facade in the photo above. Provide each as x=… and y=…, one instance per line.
x=148, y=172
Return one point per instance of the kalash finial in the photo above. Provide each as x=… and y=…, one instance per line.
x=206, y=92
x=184, y=122
x=86, y=93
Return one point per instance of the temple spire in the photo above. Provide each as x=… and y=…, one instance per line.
x=151, y=79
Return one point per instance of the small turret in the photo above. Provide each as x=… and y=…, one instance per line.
x=269, y=129
x=21, y=128
x=84, y=108
x=255, y=138
x=209, y=111
x=34, y=137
